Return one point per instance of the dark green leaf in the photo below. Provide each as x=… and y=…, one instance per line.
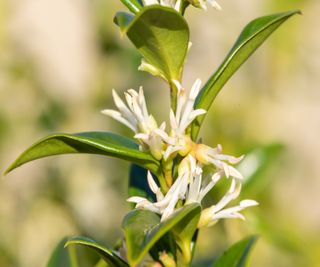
x=162, y=36
x=136, y=225
x=102, y=143
x=237, y=254
x=138, y=183
x=143, y=229
x=253, y=35
x=62, y=256
x=123, y=20
x=108, y=255
x=133, y=5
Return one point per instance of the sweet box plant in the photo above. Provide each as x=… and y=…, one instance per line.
x=173, y=170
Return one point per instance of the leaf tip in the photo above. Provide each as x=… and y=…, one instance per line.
x=298, y=11
x=9, y=169
x=67, y=243
x=17, y=163
x=294, y=12
x=70, y=241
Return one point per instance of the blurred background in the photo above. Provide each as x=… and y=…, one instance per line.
x=59, y=61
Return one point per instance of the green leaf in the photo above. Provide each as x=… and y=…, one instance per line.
x=256, y=165
x=62, y=256
x=101, y=263
x=108, y=255
x=143, y=229
x=253, y=35
x=133, y=5
x=138, y=183
x=102, y=143
x=184, y=232
x=237, y=254
x=123, y=20
x=161, y=35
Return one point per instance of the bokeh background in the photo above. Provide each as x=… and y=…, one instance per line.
x=59, y=60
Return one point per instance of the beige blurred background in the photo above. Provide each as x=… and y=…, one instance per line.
x=59, y=60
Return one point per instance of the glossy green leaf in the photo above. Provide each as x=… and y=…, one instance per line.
x=62, y=256
x=138, y=183
x=133, y=5
x=253, y=35
x=161, y=35
x=102, y=143
x=143, y=229
x=237, y=254
x=109, y=256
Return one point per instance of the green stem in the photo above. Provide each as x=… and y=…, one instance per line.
x=173, y=96
x=185, y=248
x=167, y=170
x=162, y=181
x=183, y=7
x=167, y=260
x=132, y=6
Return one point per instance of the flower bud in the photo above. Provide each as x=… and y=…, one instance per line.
x=198, y=3
x=205, y=218
x=167, y=260
x=201, y=152
x=186, y=143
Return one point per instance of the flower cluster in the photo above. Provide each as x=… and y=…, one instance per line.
x=176, y=4
x=190, y=184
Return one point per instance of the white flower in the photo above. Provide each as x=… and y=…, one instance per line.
x=212, y=214
x=185, y=113
x=182, y=118
x=177, y=3
x=197, y=191
x=190, y=188
x=214, y=156
x=170, y=3
x=189, y=184
x=214, y=4
x=187, y=187
x=164, y=205
x=203, y=4
x=150, y=2
x=135, y=115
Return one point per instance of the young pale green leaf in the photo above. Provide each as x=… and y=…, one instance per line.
x=237, y=254
x=143, y=229
x=109, y=256
x=133, y=5
x=62, y=256
x=161, y=35
x=253, y=35
x=102, y=143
